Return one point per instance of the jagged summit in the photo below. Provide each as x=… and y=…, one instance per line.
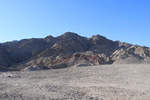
x=49, y=37
x=67, y=50
x=98, y=37
x=69, y=35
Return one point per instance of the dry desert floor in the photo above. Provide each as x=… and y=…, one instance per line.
x=104, y=82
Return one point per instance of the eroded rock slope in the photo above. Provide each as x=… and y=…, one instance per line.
x=67, y=50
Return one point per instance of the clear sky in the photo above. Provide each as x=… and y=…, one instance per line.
x=125, y=20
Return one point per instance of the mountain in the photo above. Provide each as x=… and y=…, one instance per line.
x=67, y=50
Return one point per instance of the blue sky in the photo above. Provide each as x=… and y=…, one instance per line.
x=124, y=20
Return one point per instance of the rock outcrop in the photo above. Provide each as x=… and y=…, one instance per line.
x=67, y=50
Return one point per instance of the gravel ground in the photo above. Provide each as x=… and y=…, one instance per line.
x=105, y=82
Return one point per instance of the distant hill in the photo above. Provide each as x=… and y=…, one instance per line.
x=67, y=50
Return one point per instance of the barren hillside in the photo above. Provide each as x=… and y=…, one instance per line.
x=67, y=50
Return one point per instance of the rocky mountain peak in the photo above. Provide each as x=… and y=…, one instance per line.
x=49, y=38
x=69, y=35
x=98, y=37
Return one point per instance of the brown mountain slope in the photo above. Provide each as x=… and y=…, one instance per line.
x=67, y=50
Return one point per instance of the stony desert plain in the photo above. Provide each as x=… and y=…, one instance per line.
x=103, y=82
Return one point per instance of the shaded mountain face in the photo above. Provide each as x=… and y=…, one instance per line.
x=25, y=49
x=5, y=59
x=67, y=50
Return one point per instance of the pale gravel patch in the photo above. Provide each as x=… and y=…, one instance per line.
x=104, y=82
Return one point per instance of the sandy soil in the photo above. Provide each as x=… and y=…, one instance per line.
x=107, y=82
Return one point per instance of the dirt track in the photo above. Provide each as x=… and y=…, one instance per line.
x=107, y=82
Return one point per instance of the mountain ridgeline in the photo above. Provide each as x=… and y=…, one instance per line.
x=67, y=50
